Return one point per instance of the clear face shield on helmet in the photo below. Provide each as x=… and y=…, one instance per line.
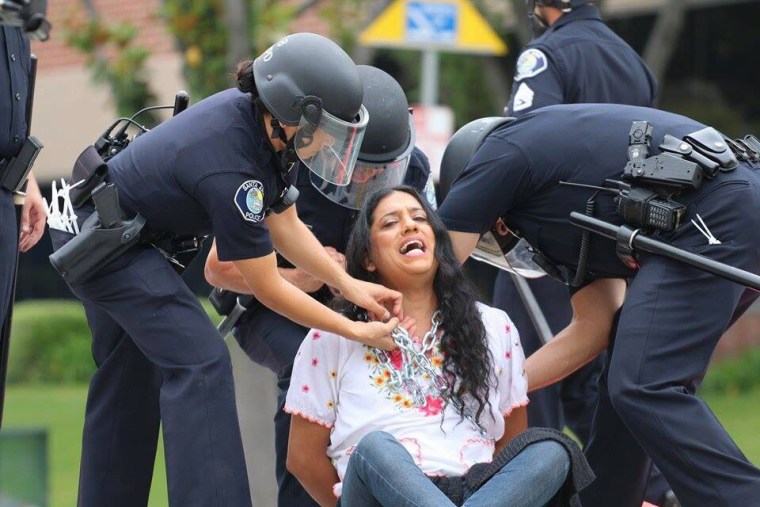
x=329, y=146
x=367, y=177
x=501, y=248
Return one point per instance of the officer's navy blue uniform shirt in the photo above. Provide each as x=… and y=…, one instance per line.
x=579, y=59
x=15, y=63
x=207, y=170
x=515, y=174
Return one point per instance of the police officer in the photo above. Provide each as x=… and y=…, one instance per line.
x=387, y=158
x=574, y=58
x=15, y=64
x=217, y=168
x=672, y=316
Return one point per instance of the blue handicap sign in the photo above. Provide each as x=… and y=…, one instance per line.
x=431, y=22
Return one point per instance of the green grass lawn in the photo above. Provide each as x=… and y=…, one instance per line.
x=61, y=410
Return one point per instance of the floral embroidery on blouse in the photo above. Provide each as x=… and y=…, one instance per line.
x=381, y=378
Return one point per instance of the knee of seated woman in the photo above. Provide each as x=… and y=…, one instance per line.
x=374, y=440
x=552, y=455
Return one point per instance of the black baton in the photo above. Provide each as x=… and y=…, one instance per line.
x=636, y=240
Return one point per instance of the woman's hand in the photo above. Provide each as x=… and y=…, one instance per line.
x=375, y=334
x=374, y=298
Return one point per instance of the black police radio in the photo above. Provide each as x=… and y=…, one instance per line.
x=645, y=197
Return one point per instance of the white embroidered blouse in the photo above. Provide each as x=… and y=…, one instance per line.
x=344, y=385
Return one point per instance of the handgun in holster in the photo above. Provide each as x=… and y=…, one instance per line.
x=105, y=235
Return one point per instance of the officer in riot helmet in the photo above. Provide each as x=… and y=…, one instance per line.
x=388, y=158
x=574, y=57
x=221, y=168
x=666, y=176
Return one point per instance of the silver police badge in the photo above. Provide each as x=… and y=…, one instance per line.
x=249, y=200
x=531, y=63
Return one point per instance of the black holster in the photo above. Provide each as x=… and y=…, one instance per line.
x=105, y=235
x=14, y=171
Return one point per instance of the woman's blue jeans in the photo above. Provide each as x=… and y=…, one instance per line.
x=382, y=472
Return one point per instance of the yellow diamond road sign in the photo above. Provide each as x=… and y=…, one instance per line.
x=450, y=25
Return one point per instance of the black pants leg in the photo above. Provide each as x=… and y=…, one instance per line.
x=139, y=297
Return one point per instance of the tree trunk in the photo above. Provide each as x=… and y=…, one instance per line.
x=238, y=39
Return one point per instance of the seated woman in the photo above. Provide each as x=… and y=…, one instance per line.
x=428, y=423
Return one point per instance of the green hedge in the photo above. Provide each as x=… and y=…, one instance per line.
x=733, y=376
x=50, y=342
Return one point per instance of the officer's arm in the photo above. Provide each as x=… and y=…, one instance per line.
x=464, y=243
x=297, y=244
x=308, y=460
x=537, y=86
x=226, y=276
x=587, y=335
x=274, y=292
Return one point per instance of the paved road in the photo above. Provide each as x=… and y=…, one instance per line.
x=256, y=399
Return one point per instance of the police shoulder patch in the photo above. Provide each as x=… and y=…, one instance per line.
x=249, y=200
x=531, y=63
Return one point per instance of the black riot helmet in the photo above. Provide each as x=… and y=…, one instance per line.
x=462, y=146
x=499, y=246
x=387, y=146
x=307, y=80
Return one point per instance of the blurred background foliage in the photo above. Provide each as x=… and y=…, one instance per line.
x=113, y=57
x=702, y=78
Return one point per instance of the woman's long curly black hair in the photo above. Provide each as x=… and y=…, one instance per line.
x=464, y=343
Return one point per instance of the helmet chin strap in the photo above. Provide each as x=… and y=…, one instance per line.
x=288, y=156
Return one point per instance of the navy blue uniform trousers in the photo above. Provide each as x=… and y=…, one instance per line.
x=671, y=321
x=8, y=248
x=272, y=340
x=159, y=359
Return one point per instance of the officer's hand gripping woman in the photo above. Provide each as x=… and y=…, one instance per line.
x=388, y=157
x=674, y=179
x=220, y=167
x=20, y=228
x=573, y=58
